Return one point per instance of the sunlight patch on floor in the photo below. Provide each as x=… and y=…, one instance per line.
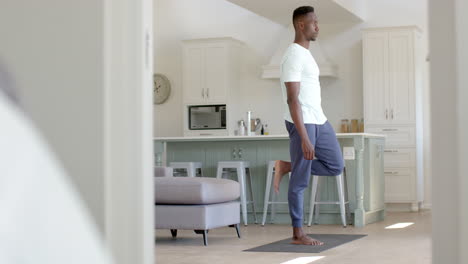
x=303, y=260
x=399, y=225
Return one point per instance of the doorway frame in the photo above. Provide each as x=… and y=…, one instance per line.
x=128, y=130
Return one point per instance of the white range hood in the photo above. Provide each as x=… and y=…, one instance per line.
x=272, y=70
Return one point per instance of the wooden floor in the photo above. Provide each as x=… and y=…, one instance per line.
x=396, y=246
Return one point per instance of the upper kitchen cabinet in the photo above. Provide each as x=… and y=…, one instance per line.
x=392, y=76
x=210, y=70
x=375, y=68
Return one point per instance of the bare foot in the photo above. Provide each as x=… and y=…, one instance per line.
x=306, y=240
x=281, y=167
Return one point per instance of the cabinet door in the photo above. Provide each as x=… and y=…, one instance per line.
x=375, y=66
x=401, y=77
x=399, y=185
x=193, y=73
x=400, y=157
x=215, y=83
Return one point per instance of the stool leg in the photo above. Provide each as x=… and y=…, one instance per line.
x=318, y=199
x=345, y=183
x=241, y=180
x=249, y=182
x=274, y=199
x=191, y=171
x=267, y=193
x=313, y=196
x=219, y=172
x=339, y=184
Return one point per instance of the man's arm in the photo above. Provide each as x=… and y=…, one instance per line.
x=292, y=90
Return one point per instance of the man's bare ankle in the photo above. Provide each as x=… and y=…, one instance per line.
x=298, y=232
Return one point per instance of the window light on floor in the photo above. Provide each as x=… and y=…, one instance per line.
x=399, y=225
x=303, y=260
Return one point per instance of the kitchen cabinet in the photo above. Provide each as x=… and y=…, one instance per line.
x=401, y=76
x=392, y=83
x=389, y=75
x=210, y=75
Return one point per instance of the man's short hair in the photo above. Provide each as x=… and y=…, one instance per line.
x=301, y=11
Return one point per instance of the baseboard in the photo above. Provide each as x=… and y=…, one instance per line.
x=406, y=207
x=426, y=206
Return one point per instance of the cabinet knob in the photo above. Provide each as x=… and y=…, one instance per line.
x=240, y=153
x=203, y=93
x=234, y=153
x=392, y=113
x=386, y=113
x=208, y=92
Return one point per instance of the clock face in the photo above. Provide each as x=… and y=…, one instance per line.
x=161, y=88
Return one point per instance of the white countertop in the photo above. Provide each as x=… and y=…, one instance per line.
x=258, y=137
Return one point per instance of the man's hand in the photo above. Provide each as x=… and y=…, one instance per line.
x=307, y=149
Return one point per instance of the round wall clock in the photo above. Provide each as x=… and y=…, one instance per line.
x=161, y=88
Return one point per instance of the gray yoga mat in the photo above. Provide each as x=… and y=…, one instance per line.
x=329, y=240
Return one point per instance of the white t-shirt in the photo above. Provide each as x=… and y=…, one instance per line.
x=298, y=65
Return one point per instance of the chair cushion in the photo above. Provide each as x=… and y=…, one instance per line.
x=195, y=190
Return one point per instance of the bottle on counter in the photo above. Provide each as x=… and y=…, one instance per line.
x=241, y=128
x=265, y=129
x=249, y=123
x=262, y=131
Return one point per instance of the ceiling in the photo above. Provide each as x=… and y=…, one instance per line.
x=328, y=11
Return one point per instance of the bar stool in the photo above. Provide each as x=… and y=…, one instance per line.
x=191, y=168
x=343, y=202
x=269, y=191
x=242, y=170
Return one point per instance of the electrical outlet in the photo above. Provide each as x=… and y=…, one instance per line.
x=348, y=153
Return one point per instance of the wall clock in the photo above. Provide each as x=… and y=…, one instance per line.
x=161, y=88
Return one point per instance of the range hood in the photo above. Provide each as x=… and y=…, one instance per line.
x=272, y=70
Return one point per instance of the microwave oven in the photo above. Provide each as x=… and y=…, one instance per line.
x=204, y=117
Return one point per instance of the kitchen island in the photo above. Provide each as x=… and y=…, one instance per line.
x=364, y=169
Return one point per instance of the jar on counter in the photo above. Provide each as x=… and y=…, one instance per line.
x=354, y=126
x=344, y=126
x=361, y=126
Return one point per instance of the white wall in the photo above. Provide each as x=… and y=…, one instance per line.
x=85, y=80
x=341, y=97
x=54, y=57
x=187, y=19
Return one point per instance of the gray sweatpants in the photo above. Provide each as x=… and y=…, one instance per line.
x=328, y=161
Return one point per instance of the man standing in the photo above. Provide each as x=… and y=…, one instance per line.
x=311, y=135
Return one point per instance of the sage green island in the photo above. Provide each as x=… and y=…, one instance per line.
x=364, y=162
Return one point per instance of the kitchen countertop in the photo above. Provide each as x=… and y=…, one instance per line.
x=256, y=137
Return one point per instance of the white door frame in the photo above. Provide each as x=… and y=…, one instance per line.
x=448, y=38
x=128, y=117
